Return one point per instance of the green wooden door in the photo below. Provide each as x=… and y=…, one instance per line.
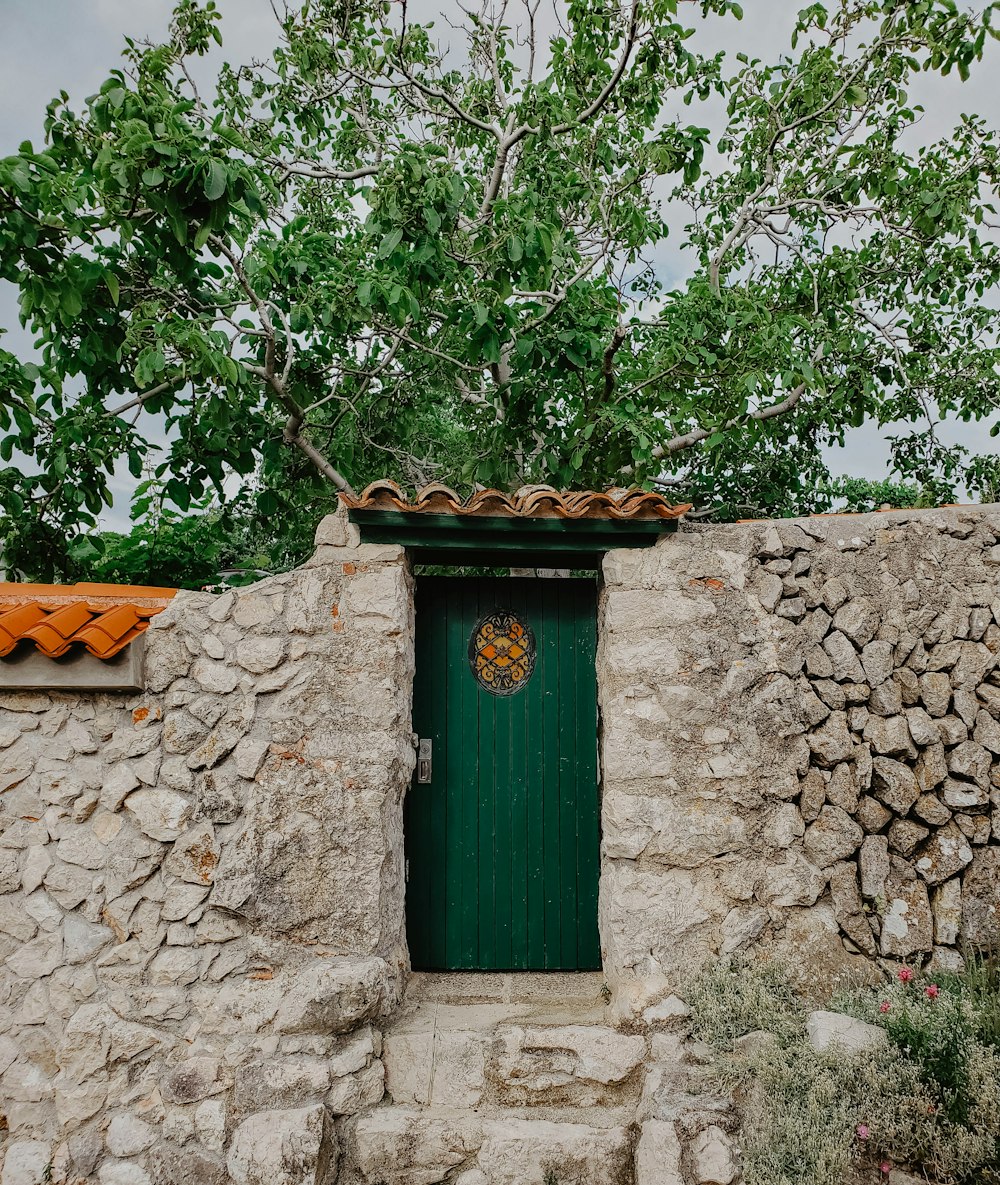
x=502, y=844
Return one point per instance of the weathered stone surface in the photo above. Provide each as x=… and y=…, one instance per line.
x=981, y=899
x=659, y=829
x=195, y=856
x=907, y=924
x=848, y=908
x=713, y=1157
x=946, y=905
x=832, y=742
x=562, y=1064
x=335, y=996
x=846, y=663
x=658, y=1155
x=943, y=855
x=834, y=836
x=525, y=1152
x=935, y=692
x=834, y=1030
x=895, y=784
x=284, y=1147
x=971, y=761
x=160, y=814
x=904, y=836
x=889, y=736
x=872, y=815
x=402, y=1146
x=874, y=865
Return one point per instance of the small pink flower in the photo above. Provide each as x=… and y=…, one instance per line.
x=862, y=1131
x=932, y=991
x=884, y=1006
x=885, y=1168
x=905, y=975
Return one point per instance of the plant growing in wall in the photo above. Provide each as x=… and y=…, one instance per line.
x=429, y=251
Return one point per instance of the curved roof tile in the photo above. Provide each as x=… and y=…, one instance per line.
x=536, y=501
x=103, y=618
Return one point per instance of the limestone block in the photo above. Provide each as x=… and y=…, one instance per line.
x=657, y=922
x=946, y=905
x=833, y=1030
x=403, y=1146
x=876, y=658
x=907, y=924
x=935, y=692
x=210, y=1124
x=160, y=814
x=713, y=1157
x=280, y=1082
x=812, y=949
x=981, y=899
x=972, y=761
x=249, y=756
x=194, y=857
x=904, y=836
x=679, y=834
x=284, y=1147
x=562, y=1063
x=833, y=837
x=796, y=881
x=526, y=1152
x=895, y=784
x=128, y=1135
x=25, y=1163
x=871, y=814
x=847, y=905
x=336, y=995
x=360, y=1091
x=846, y=664
x=832, y=742
x=95, y=1038
x=658, y=1155
x=946, y=853
x=739, y=928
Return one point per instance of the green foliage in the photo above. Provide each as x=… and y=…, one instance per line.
x=928, y=1099
x=858, y=495
x=392, y=254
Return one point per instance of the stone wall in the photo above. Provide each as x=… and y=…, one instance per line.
x=201, y=886
x=800, y=750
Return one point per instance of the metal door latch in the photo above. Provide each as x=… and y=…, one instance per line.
x=424, y=753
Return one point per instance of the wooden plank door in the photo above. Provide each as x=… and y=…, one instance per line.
x=502, y=844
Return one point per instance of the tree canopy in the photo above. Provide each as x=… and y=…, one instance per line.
x=399, y=249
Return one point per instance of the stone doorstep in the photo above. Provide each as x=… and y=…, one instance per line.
x=506, y=987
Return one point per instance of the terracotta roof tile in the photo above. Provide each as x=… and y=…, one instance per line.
x=538, y=501
x=103, y=618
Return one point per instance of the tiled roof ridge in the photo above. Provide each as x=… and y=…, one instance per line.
x=533, y=501
x=103, y=618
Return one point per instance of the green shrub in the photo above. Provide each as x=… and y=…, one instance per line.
x=930, y=1098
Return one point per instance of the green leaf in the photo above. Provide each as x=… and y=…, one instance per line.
x=390, y=241
x=152, y=177
x=111, y=280
x=216, y=179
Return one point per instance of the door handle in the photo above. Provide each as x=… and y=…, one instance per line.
x=424, y=760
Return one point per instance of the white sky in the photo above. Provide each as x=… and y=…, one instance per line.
x=50, y=45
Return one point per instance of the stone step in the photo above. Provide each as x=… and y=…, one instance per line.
x=509, y=1046
x=409, y=1145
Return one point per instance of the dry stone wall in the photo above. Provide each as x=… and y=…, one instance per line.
x=201, y=887
x=801, y=746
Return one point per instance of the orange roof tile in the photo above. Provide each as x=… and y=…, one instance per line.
x=528, y=502
x=104, y=618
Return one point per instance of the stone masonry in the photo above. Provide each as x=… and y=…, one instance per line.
x=202, y=944
x=201, y=923
x=801, y=750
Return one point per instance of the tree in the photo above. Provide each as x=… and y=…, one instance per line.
x=388, y=253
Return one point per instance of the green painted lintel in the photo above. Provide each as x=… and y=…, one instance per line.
x=462, y=534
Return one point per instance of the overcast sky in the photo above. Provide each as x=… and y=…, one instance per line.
x=52, y=45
